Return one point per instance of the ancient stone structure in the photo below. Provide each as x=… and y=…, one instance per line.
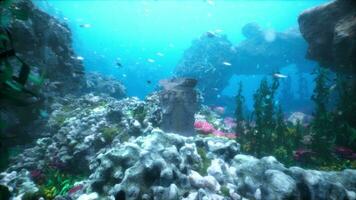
x=179, y=103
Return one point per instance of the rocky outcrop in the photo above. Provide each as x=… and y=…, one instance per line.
x=179, y=102
x=44, y=43
x=330, y=31
x=101, y=85
x=268, y=51
x=213, y=59
x=204, y=62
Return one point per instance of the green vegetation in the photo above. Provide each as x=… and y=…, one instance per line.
x=206, y=162
x=109, y=132
x=225, y=191
x=55, y=182
x=323, y=137
x=60, y=119
x=239, y=112
x=139, y=113
x=332, y=132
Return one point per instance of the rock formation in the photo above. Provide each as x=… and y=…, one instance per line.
x=102, y=85
x=330, y=31
x=179, y=102
x=204, y=62
x=213, y=60
x=45, y=44
x=268, y=51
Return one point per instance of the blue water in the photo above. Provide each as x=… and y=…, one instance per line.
x=134, y=31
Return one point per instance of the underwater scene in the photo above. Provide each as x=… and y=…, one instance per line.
x=177, y=100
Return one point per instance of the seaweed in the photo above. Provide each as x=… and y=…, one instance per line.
x=109, y=132
x=54, y=182
x=205, y=163
x=225, y=191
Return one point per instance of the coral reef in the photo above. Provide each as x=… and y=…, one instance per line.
x=121, y=153
x=330, y=31
x=102, y=85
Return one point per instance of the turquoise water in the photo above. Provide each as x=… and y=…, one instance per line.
x=135, y=31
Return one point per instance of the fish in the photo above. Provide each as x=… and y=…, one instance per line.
x=150, y=60
x=226, y=63
x=148, y=82
x=210, y=2
x=43, y=113
x=160, y=54
x=210, y=34
x=85, y=25
x=118, y=64
x=332, y=87
x=277, y=75
x=80, y=58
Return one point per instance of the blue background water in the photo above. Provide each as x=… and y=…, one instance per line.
x=135, y=31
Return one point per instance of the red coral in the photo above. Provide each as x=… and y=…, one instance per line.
x=75, y=189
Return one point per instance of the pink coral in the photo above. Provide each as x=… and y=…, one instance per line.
x=301, y=154
x=231, y=135
x=229, y=122
x=345, y=152
x=219, y=110
x=204, y=126
x=219, y=133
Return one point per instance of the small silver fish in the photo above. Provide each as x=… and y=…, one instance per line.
x=85, y=25
x=150, y=60
x=226, y=63
x=80, y=58
x=280, y=75
x=160, y=54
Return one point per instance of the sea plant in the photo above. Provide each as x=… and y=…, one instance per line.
x=55, y=182
x=109, y=132
x=205, y=162
x=139, y=113
x=239, y=112
x=323, y=133
x=264, y=112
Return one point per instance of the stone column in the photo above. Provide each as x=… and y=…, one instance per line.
x=179, y=102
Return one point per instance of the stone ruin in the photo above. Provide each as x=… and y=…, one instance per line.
x=179, y=102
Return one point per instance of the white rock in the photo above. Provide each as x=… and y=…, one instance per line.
x=258, y=194
x=211, y=183
x=91, y=196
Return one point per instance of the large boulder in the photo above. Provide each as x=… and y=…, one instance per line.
x=330, y=30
